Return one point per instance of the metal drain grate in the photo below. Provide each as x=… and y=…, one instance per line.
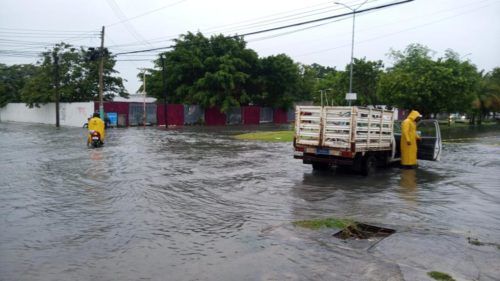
x=363, y=231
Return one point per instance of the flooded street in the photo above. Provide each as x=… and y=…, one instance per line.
x=195, y=204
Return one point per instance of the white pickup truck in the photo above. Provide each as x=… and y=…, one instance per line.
x=360, y=137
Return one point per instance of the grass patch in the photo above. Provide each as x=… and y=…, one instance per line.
x=324, y=223
x=273, y=136
x=476, y=242
x=440, y=276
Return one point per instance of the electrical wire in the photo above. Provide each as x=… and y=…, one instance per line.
x=248, y=24
x=393, y=33
x=285, y=26
x=146, y=13
x=284, y=19
x=121, y=16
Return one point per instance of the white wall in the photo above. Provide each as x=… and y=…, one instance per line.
x=70, y=114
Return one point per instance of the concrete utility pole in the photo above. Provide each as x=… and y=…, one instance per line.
x=55, y=56
x=101, y=70
x=352, y=41
x=164, y=77
x=144, y=91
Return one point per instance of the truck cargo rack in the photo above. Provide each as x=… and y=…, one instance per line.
x=348, y=128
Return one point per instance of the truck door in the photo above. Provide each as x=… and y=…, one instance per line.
x=429, y=146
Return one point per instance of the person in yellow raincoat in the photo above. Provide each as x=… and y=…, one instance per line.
x=409, y=140
x=96, y=124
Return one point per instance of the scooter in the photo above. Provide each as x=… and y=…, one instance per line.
x=94, y=139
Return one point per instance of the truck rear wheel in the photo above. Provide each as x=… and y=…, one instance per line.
x=318, y=166
x=368, y=165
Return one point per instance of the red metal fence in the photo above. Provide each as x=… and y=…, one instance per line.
x=214, y=117
x=280, y=116
x=175, y=114
x=251, y=115
x=121, y=108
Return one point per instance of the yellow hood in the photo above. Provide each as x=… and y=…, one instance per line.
x=413, y=115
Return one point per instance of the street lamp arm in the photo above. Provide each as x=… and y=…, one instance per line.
x=349, y=7
x=342, y=4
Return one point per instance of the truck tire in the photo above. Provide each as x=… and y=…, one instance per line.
x=318, y=166
x=368, y=165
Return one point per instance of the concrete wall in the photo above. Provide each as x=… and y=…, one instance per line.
x=70, y=114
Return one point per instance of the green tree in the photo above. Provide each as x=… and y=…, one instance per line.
x=78, y=77
x=321, y=71
x=279, y=77
x=366, y=75
x=12, y=80
x=215, y=71
x=416, y=81
x=487, y=99
x=307, y=82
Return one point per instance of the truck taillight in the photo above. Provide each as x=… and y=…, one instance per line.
x=298, y=148
x=347, y=154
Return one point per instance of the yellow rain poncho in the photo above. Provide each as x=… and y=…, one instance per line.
x=409, y=139
x=96, y=124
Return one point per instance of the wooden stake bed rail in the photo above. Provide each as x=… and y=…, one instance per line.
x=344, y=127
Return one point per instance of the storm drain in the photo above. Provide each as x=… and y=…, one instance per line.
x=363, y=231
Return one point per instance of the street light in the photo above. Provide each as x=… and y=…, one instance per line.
x=352, y=43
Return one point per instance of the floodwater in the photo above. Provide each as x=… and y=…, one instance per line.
x=195, y=204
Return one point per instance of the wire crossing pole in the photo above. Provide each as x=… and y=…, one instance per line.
x=164, y=77
x=352, y=52
x=55, y=56
x=101, y=70
x=354, y=11
x=144, y=119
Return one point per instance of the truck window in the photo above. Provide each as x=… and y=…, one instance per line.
x=397, y=127
x=426, y=129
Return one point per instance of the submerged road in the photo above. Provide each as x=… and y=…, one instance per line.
x=195, y=204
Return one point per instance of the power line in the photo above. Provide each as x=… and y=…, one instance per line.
x=394, y=33
x=286, y=18
x=283, y=27
x=130, y=28
x=242, y=26
x=272, y=16
x=146, y=13
x=327, y=18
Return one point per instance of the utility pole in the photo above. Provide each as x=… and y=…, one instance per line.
x=55, y=56
x=164, y=77
x=350, y=94
x=101, y=70
x=144, y=103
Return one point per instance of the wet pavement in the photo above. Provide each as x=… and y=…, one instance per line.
x=195, y=204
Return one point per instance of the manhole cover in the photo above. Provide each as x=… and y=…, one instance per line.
x=363, y=231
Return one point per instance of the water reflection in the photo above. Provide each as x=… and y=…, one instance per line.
x=408, y=184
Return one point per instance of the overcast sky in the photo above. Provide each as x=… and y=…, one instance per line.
x=470, y=27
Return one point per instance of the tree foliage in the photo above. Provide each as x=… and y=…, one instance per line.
x=279, y=80
x=215, y=71
x=366, y=75
x=222, y=71
x=12, y=80
x=416, y=81
x=78, y=77
x=487, y=99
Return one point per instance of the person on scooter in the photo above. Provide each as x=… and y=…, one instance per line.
x=96, y=124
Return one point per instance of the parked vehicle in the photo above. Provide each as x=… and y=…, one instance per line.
x=356, y=137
